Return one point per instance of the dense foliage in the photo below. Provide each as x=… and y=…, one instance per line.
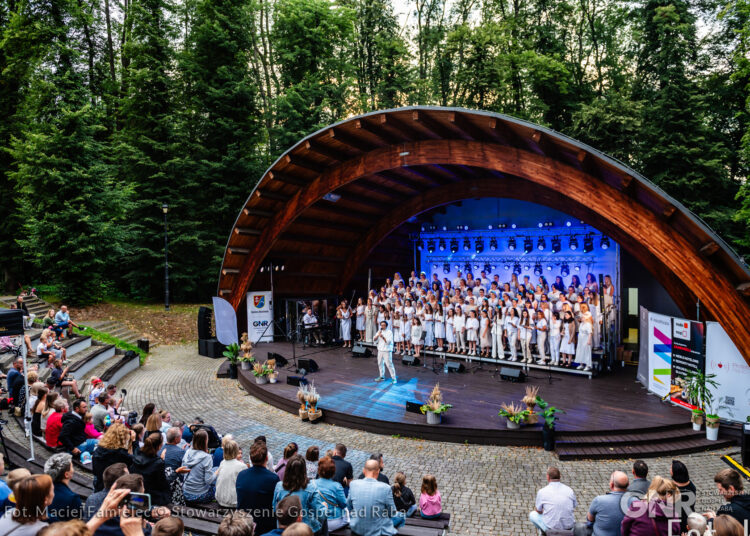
x=110, y=109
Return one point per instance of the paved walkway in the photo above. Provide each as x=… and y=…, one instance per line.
x=488, y=490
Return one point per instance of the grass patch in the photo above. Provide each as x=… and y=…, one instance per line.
x=109, y=339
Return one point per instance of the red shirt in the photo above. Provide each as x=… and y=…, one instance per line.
x=52, y=432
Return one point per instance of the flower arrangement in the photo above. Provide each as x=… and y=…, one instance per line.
x=312, y=398
x=246, y=347
x=434, y=402
x=530, y=398
x=261, y=370
x=513, y=412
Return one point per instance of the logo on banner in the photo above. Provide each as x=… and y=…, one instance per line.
x=259, y=301
x=663, y=349
x=682, y=330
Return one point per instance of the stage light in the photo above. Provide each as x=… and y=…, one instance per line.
x=445, y=228
x=588, y=244
x=577, y=268
x=527, y=267
x=549, y=267
x=441, y=245
x=479, y=245
x=467, y=267
x=261, y=269
x=517, y=268
x=540, y=225
x=493, y=244
x=507, y=267
x=527, y=245
x=420, y=244
x=454, y=246
x=431, y=246
x=502, y=226
x=556, y=244
x=573, y=243
x=467, y=244
x=604, y=243
x=568, y=224
x=512, y=225
x=565, y=270
x=537, y=269
x=512, y=244
x=282, y=267
x=541, y=244
x=476, y=267
x=489, y=227
x=446, y=268
x=487, y=268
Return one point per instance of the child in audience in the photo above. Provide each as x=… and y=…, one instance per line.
x=13, y=478
x=403, y=497
x=430, y=503
x=89, y=430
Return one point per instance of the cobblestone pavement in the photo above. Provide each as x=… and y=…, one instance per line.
x=488, y=490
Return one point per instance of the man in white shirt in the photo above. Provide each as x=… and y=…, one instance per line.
x=457, y=281
x=311, y=325
x=384, y=341
x=554, y=505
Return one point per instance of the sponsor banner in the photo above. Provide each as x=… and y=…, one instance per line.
x=225, y=320
x=259, y=316
x=659, y=353
x=642, y=375
x=732, y=397
x=687, y=356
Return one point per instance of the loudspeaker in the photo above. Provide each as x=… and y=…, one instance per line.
x=296, y=380
x=360, y=351
x=210, y=348
x=204, y=323
x=513, y=375
x=410, y=360
x=280, y=359
x=143, y=344
x=454, y=366
x=308, y=364
x=414, y=407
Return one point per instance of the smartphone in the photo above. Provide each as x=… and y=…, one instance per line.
x=138, y=502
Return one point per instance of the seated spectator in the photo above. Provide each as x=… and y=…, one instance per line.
x=148, y=410
x=381, y=477
x=54, y=425
x=33, y=495
x=296, y=483
x=147, y=462
x=73, y=435
x=729, y=485
x=172, y=454
x=48, y=322
x=656, y=513
x=696, y=523
x=403, y=497
x=371, y=506
x=153, y=424
x=112, y=525
x=115, y=446
x=187, y=432
x=100, y=411
x=14, y=477
x=606, y=513
x=237, y=524
x=37, y=410
x=45, y=349
x=63, y=322
x=297, y=529
x=344, y=471
x=289, y=451
x=139, y=431
x=66, y=503
x=218, y=455
x=334, y=499
x=255, y=489
x=49, y=409
x=725, y=525
x=15, y=380
x=554, y=504
x=311, y=459
x=688, y=493
x=90, y=431
x=28, y=318
x=95, y=500
x=5, y=490
x=114, y=402
x=288, y=512
x=59, y=378
x=640, y=482
x=430, y=502
x=199, y=485
x=169, y=526
x=226, y=479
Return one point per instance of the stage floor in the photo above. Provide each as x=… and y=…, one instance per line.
x=351, y=397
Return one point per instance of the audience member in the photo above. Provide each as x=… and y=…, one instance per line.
x=100, y=411
x=199, y=485
x=73, y=434
x=73, y=527
x=681, y=477
x=655, y=515
x=111, y=527
x=288, y=512
x=33, y=495
x=148, y=410
x=169, y=526
x=66, y=503
x=640, y=482
x=95, y=500
x=148, y=463
x=58, y=377
x=255, y=489
x=344, y=471
x=49, y=409
x=297, y=529
x=289, y=451
x=332, y=493
x=378, y=458
x=696, y=523
x=311, y=459
x=54, y=425
x=115, y=446
x=296, y=483
x=262, y=438
x=725, y=525
x=606, y=511
x=14, y=477
x=371, y=506
x=89, y=430
x=14, y=380
x=730, y=486
x=403, y=497
x=63, y=322
x=237, y=524
x=226, y=478
x=430, y=502
x=554, y=504
x=172, y=454
x=5, y=489
x=37, y=411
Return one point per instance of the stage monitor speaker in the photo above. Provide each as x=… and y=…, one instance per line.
x=414, y=407
x=280, y=359
x=211, y=348
x=454, y=366
x=204, y=323
x=513, y=375
x=360, y=351
x=410, y=360
x=296, y=380
x=308, y=364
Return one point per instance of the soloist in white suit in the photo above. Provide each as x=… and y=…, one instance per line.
x=384, y=341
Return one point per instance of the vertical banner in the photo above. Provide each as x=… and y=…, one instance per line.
x=225, y=320
x=659, y=353
x=732, y=397
x=687, y=355
x=643, y=371
x=259, y=317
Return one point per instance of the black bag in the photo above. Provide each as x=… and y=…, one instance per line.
x=214, y=440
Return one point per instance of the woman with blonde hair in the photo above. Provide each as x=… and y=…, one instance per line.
x=153, y=424
x=655, y=514
x=33, y=495
x=585, y=339
x=115, y=446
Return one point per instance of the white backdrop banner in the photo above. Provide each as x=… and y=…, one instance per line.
x=260, y=316
x=732, y=398
x=659, y=353
x=225, y=320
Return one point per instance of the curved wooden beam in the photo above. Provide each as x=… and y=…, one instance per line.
x=678, y=255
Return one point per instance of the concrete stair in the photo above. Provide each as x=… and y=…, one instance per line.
x=116, y=329
x=35, y=305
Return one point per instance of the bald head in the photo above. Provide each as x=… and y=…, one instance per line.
x=372, y=468
x=619, y=481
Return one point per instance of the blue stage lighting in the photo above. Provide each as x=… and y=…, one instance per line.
x=605, y=243
x=467, y=267
x=479, y=245
x=446, y=268
x=527, y=245
x=454, y=245
x=512, y=244
x=441, y=244
x=573, y=243
x=467, y=244
x=537, y=269
x=517, y=268
x=493, y=244
x=420, y=244
x=487, y=268
x=565, y=270
x=541, y=244
x=588, y=244
x=431, y=246
x=556, y=247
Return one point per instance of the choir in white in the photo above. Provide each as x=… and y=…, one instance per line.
x=560, y=323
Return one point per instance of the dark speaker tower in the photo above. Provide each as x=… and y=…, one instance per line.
x=204, y=323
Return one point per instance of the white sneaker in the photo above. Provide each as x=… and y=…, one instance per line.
x=540, y=361
x=587, y=369
x=511, y=359
x=580, y=367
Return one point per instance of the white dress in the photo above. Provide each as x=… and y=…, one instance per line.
x=472, y=327
x=583, y=350
x=360, y=317
x=346, y=324
x=416, y=335
x=397, y=333
x=450, y=335
x=439, y=326
x=567, y=346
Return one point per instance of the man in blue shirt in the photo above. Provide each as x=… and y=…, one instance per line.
x=288, y=511
x=15, y=379
x=371, y=506
x=606, y=511
x=172, y=454
x=255, y=487
x=63, y=322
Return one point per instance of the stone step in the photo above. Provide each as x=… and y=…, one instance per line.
x=97, y=355
x=647, y=450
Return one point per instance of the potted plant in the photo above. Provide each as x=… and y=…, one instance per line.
x=696, y=418
x=698, y=389
x=514, y=413
x=549, y=414
x=530, y=398
x=246, y=363
x=312, y=398
x=434, y=407
x=261, y=373
x=247, y=359
x=232, y=354
x=302, y=398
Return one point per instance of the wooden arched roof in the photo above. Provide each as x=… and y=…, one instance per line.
x=327, y=202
